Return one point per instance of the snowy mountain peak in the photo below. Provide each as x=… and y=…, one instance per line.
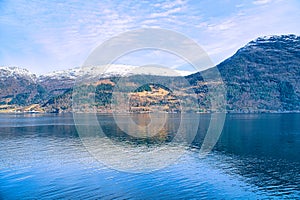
x=112, y=70
x=16, y=72
x=62, y=74
x=274, y=39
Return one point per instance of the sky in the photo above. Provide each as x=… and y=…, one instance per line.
x=44, y=36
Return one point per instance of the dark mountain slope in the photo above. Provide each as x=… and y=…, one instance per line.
x=262, y=76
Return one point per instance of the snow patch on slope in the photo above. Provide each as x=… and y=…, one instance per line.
x=16, y=72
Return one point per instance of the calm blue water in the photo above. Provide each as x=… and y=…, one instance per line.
x=256, y=157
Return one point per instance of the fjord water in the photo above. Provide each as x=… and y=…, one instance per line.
x=257, y=156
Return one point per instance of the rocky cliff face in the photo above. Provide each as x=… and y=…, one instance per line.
x=263, y=76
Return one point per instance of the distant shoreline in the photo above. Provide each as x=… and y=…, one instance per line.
x=228, y=112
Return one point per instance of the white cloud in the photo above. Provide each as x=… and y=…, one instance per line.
x=226, y=36
x=68, y=42
x=166, y=13
x=261, y=2
x=63, y=34
x=170, y=4
x=225, y=25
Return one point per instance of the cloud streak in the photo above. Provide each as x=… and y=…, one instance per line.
x=46, y=35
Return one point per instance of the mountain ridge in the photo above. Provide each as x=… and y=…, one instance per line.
x=262, y=76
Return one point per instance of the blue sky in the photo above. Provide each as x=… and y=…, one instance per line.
x=43, y=36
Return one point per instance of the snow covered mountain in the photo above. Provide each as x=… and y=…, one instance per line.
x=274, y=39
x=16, y=72
x=20, y=86
x=17, y=85
x=59, y=81
x=114, y=70
x=262, y=76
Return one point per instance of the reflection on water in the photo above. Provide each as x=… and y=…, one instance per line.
x=269, y=135
x=257, y=156
x=265, y=149
x=121, y=144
